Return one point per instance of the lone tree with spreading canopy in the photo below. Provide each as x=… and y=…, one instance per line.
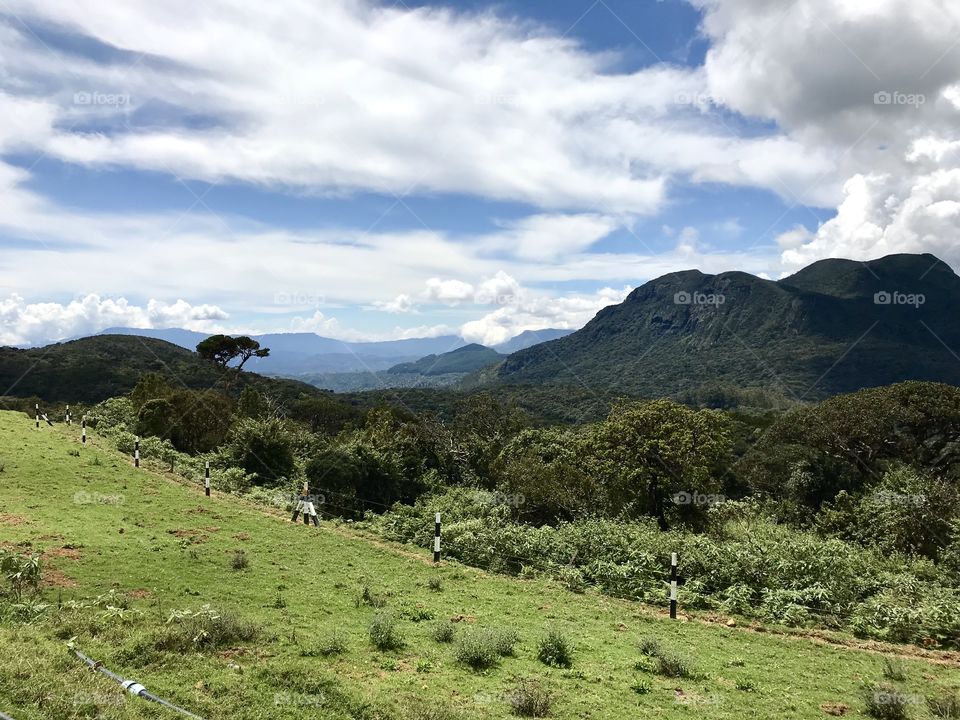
x=223, y=349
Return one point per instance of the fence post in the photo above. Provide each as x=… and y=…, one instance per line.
x=37, y=409
x=673, y=586
x=436, y=538
x=136, y=452
x=206, y=479
x=83, y=430
x=68, y=414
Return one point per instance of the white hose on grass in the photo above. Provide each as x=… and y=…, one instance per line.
x=131, y=686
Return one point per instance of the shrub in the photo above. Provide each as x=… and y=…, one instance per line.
x=886, y=702
x=368, y=597
x=204, y=629
x=528, y=698
x=435, y=584
x=22, y=572
x=482, y=649
x=555, y=650
x=384, y=634
x=665, y=663
x=333, y=644
x=239, y=561
x=443, y=632
x=894, y=670
x=945, y=705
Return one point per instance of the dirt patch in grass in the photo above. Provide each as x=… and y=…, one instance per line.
x=836, y=709
x=56, y=579
x=242, y=536
x=62, y=552
x=139, y=594
x=9, y=519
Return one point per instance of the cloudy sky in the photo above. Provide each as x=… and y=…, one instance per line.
x=378, y=170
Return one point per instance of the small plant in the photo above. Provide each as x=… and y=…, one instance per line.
x=22, y=572
x=443, y=632
x=555, y=650
x=383, y=632
x=894, y=670
x=239, y=561
x=664, y=663
x=945, y=705
x=745, y=685
x=333, y=644
x=650, y=647
x=572, y=579
x=641, y=687
x=482, y=649
x=736, y=662
x=435, y=584
x=528, y=698
x=204, y=629
x=886, y=702
x=368, y=597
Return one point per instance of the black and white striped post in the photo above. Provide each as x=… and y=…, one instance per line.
x=83, y=430
x=305, y=505
x=37, y=409
x=673, y=586
x=436, y=538
x=136, y=452
x=68, y=414
x=206, y=479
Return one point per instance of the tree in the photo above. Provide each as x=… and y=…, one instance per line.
x=646, y=453
x=540, y=474
x=223, y=349
x=252, y=404
x=264, y=449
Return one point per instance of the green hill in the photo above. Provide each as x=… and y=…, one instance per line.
x=837, y=326
x=462, y=360
x=141, y=572
x=95, y=368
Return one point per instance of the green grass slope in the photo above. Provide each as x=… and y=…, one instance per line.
x=160, y=546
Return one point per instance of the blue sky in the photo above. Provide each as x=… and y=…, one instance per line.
x=378, y=171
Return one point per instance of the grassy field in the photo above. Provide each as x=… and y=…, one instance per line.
x=155, y=547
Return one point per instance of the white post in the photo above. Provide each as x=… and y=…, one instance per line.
x=436, y=538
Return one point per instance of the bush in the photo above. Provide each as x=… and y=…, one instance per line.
x=443, y=632
x=204, y=629
x=665, y=663
x=435, y=584
x=482, y=649
x=945, y=705
x=368, y=597
x=22, y=573
x=384, y=634
x=894, y=670
x=528, y=698
x=333, y=644
x=555, y=650
x=239, y=561
x=886, y=702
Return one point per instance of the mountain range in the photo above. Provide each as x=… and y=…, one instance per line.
x=835, y=326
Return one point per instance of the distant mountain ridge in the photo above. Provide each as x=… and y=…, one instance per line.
x=835, y=326
x=301, y=354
